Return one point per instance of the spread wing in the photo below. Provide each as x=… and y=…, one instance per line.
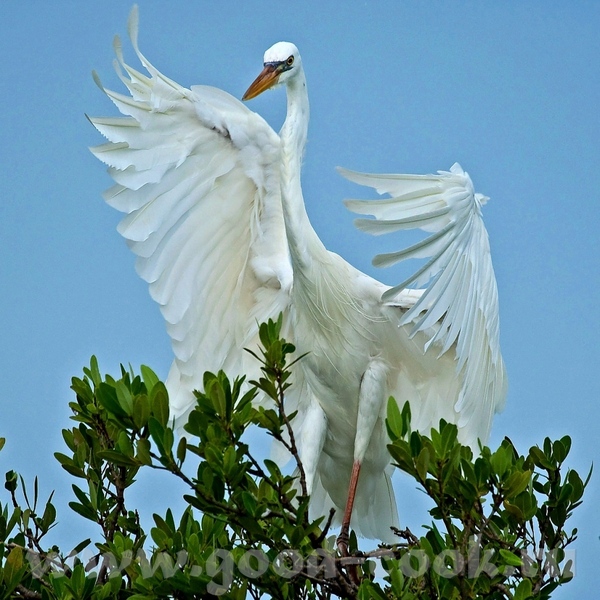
x=458, y=310
x=197, y=175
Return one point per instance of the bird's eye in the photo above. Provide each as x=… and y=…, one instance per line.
x=290, y=61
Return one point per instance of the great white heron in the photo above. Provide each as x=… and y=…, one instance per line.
x=216, y=217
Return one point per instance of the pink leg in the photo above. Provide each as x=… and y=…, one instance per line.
x=342, y=541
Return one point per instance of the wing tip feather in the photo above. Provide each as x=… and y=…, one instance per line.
x=133, y=23
x=97, y=80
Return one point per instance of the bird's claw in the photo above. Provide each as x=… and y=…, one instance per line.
x=342, y=543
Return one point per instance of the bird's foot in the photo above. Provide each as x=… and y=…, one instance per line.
x=342, y=542
x=352, y=567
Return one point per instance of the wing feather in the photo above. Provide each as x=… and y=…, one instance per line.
x=197, y=175
x=458, y=309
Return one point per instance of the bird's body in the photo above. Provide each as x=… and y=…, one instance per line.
x=217, y=218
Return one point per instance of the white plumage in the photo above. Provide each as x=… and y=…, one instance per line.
x=216, y=217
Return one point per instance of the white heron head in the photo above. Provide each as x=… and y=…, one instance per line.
x=281, y=62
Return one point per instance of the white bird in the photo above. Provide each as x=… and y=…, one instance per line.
x=216, y=217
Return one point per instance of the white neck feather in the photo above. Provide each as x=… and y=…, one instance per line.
x=304, y=244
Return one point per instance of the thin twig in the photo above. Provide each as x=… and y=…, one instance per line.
x=24, y=592
x=406, y=534
x=326, y=528
x=293, y=448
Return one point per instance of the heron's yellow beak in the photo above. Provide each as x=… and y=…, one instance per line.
x=268, y=78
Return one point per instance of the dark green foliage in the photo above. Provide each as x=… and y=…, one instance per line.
x=498, y=528
x=499, y=518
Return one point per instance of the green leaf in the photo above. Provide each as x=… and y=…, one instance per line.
x=13, y=568
x=76, y=583
x=566, y=442
x=13, y=520
x=69, y=439
x=168, y=440
x=540, y=459
x=422, y=463
x=157, y=431
x=150, y=378
x=107, y=396
x=482, y=471
x=68, y=465
x=416, y=443
x=81, y=546
x=81, y=496
x=124, y=445
x=159, y=402
x=141, y=410
x=117, y=458
x=514, y=510
x=85, y=512
x=49, y=517
x=83, y=390
x=161, y=539
x=523, y=591
x=395, y=574
x=523, y=506
x=402, y=456
x=124, y=397
x=94, y=371
x=406, y=418
x=501, y=460
x=12, y=481
x=143, y=451
x=230, y=461
x=217, y=394
x=182, y=448
x=370, y=591
x=560, y=450
x=510, y=558
x=273, y=468
x=577, y=484
x=565, y=493
x=2, y=442
x=449, y=433
x=393, y=420
x=249, y=503
x=516, y=483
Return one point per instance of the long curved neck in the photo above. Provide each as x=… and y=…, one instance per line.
x=304, y=244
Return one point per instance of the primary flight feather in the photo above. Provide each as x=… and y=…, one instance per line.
x=216, y=217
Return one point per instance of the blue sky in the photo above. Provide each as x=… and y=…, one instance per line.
x=510, y=90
